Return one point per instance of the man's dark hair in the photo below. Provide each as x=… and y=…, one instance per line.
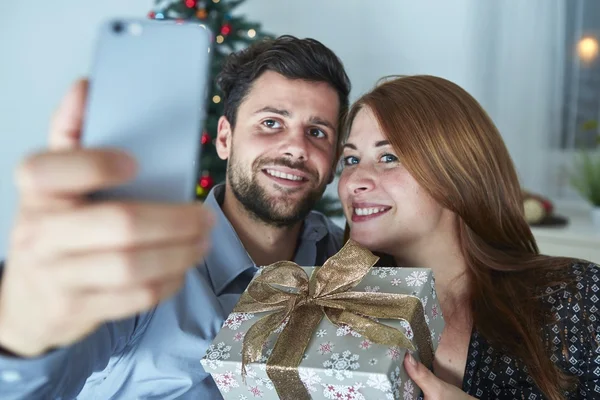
x=294, y=58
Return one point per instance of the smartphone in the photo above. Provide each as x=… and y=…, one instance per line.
x=147, y=96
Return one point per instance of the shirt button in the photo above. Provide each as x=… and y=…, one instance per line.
x=10, y=376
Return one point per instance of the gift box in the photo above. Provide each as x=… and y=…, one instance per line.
x=339, y=331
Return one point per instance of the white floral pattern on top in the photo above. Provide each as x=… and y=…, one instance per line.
x=309, y=378
x=216, y=354
x=339, y=392
x=234, y=320
x=225, y=382
x=341, y=365
x=409, y=390
x=382, y=272
x=379, y=382
x=344, y=330
x=416, y=278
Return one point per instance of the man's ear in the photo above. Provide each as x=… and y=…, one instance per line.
x=223, y=142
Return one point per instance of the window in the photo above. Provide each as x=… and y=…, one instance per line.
x=581, y=91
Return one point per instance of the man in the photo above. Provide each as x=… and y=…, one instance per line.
x=80, y=278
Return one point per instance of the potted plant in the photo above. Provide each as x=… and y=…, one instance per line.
x=586, y=180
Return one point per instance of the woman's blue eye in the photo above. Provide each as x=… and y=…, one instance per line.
x=388, y=158
x=350, y=160
x=271, y=123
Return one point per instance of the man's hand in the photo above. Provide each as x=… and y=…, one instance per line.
x=72, y=264
x=433, y=387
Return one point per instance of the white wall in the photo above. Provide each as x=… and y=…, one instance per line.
x=47, y=46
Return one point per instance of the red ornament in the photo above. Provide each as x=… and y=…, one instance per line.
x=206, y=182
x=151, y=14
x=190, y=3
x=205, y=138
x=226, y=29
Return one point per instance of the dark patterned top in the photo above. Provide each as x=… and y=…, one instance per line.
x=491, y=375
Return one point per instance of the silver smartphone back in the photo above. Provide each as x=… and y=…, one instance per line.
x=148, y=88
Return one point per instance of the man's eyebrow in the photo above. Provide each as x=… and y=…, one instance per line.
x=313, y=120
x=274, y=110
x=322, y=122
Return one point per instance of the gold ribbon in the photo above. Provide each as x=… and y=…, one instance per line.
x=285, y=290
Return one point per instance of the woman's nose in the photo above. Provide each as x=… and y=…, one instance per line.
x=362, y=180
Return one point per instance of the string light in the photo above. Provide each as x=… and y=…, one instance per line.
x=159, y=16
x=220, y=39
x=201, y=13
x=251, y=33
x=226, y=29
x=190, y=3
x=587, y=48
x=216, y=1
x=216, y=99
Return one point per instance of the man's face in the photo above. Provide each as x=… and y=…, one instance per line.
x=282, y=149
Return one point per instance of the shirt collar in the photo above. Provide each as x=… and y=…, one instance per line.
x=228, y=257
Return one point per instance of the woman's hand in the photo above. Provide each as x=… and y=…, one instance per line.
x=433, y=387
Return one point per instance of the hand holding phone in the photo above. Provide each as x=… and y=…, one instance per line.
x=74, y=263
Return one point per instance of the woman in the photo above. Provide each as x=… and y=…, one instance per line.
x=428, y=180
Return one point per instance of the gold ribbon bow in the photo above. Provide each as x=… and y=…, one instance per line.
x=285, y=289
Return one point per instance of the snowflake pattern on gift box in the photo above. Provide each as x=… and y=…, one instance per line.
x=409, y=390
x=407, y=329
x=365, y=344
x=250, y=371
x=325, y=348
x=216, y=354
x=341, y=365
x=234, y=320
x=373, y=289
x=309, y=378
x=396, y=282
x=256, y=392
x=424, y=301
x=396, y=383
x=379, y=382
x=264, y=382
x=225, y=382
x=383, y=272
x=345, y=330
x=321, y=333
x=238, y=337
x=373, y=361
x=342, y=392
x=434, y=311
x=394, y=353
x=416, y=278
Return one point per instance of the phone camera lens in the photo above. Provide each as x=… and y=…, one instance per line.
x=118, y=27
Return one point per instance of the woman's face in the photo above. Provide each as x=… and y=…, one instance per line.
x=384, y=205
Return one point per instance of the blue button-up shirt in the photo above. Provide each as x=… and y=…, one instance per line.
x=156, y=355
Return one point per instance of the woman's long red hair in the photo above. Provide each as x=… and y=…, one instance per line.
x=449, y=144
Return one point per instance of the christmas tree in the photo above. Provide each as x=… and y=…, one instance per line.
x=232, y=33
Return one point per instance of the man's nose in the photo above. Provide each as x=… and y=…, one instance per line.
x=296, y=146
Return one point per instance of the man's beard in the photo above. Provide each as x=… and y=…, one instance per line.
x=277, y=211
